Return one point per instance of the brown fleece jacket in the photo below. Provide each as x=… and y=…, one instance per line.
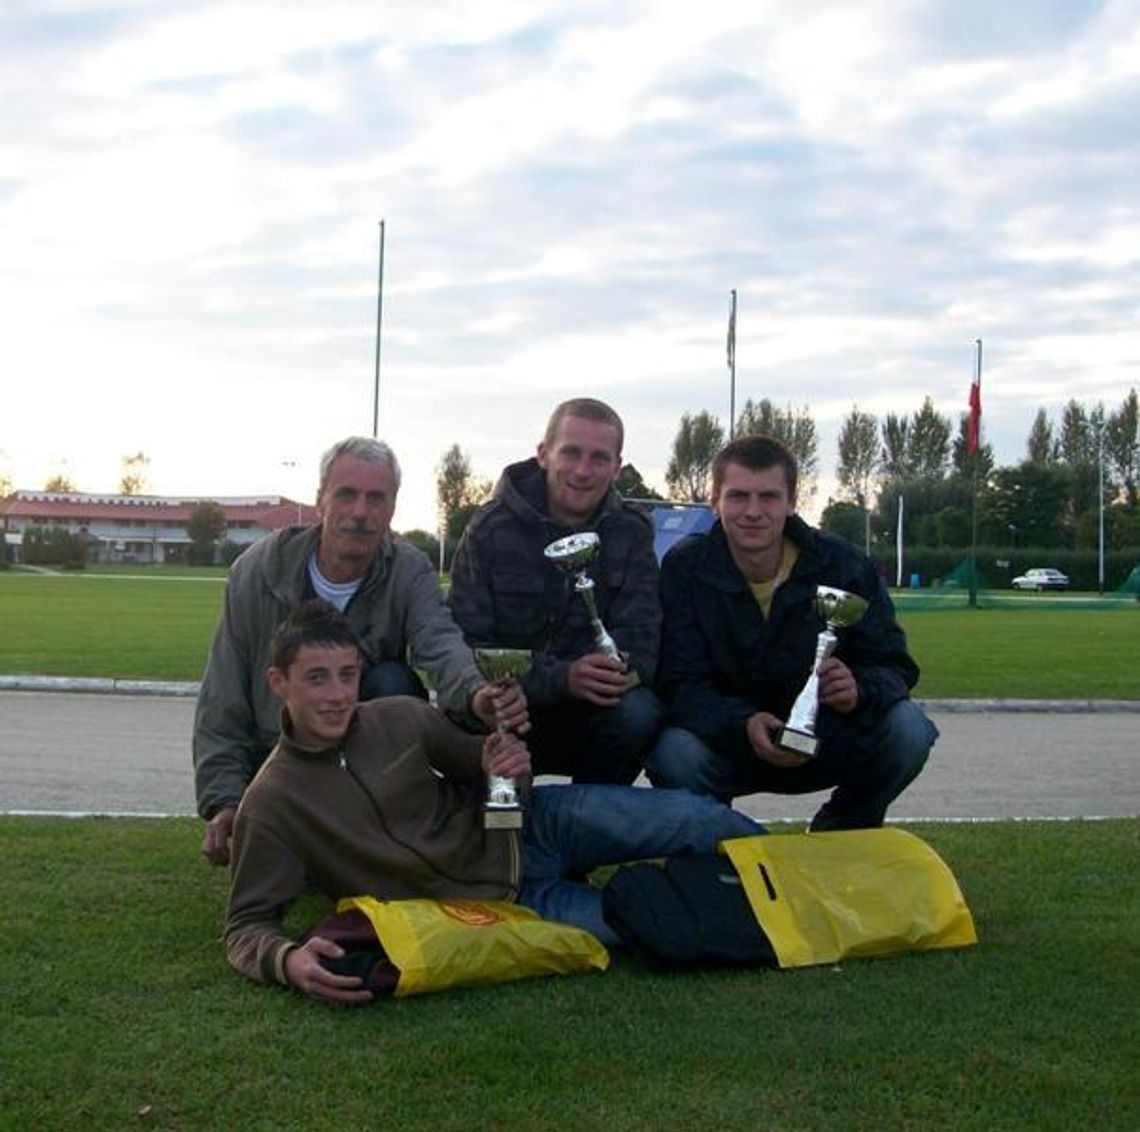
x=394, y=812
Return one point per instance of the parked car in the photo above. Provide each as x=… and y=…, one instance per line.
x=1043, y=578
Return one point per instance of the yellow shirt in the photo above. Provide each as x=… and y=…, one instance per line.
x=763, y=592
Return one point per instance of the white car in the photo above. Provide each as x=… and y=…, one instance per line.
x=1044, y=578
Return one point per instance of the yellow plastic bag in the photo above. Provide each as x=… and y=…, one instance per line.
x=822, y=897
x=438, y=944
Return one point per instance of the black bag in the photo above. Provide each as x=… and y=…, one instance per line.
x=691, y=912
x=363, y=955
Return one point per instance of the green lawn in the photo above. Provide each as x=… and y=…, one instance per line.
x=156, y=628
x=129, y=570
x=159, y=626
x=1035, y=652
x=119, y=1011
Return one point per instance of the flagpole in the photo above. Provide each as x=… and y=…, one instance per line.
x=732, y=367
x=379, y=315
x=899, y=543
x=974, y=432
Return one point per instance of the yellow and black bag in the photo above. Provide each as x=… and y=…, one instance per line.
x=791, y=900
x=822, y=897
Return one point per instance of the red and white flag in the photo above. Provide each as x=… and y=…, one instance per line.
x=974, y=428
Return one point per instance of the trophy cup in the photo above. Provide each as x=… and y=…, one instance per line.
x=573, y=554
x=839, y=609
x=502, y=808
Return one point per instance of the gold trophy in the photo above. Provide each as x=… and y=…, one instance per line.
x=502, y=808
x=573, y=554
x=840, y=610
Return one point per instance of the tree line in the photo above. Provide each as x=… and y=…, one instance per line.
x=1052, y=498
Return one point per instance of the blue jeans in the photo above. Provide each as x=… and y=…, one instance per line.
x=869, y=770
x=573, y=829
x=389, y=678
x=595, y=744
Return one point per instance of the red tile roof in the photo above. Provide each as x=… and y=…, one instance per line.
x=270, y=513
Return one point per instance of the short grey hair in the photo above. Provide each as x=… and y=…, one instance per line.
x=363, y=448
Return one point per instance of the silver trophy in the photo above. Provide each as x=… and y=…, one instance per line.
x=502, y=808
x=573, y=554
x=839, y=609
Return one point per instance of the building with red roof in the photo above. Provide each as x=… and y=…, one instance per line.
x=140, y=528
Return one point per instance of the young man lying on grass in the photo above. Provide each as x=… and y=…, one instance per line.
x=385, y=799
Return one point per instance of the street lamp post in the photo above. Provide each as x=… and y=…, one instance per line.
x=292, y=463
x=1100, y=508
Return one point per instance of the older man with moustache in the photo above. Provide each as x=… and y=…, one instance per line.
x=385, y=587
x=594, y=717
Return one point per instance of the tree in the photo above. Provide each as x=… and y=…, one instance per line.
x=1079, y=442
x=698, y=440
x=425, y=541
x=894, y=456
x=928, y=443
x=858, y=463
x=458, y=495
x=5, y=485
x=630, y=485
x=1040, y=448
x=1022, y=505
x=133, y=479
x=207, y=524
x=966, y=467
x=1122, y=447
x=952, y=526
x=914, y=460
x=793, y=427
x=846, y=519
x=452, y=483
x=858, y=455
x=61, y=483
x=55, y=546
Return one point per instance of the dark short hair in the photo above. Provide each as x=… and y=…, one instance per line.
x=589, y=410
x=314, y=622
x=755, y=453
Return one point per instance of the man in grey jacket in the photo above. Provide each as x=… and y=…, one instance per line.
x=388, y=591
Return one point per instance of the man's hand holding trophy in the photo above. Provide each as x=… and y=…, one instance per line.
x=502, y=808
x=603, y=676
x=839, y=610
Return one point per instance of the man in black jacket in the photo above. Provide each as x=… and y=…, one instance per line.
x=592, y=716
x=738, y=643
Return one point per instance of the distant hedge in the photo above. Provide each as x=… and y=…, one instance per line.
x=53, y=546
x=998, y=566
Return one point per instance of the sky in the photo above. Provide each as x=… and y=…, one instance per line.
x=191, y=195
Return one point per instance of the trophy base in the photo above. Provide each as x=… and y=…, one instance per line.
x=798, y=742
x=502, y=817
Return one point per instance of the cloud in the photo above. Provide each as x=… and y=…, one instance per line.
x=190, y=196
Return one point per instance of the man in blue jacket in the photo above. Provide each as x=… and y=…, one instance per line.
x=738, y=643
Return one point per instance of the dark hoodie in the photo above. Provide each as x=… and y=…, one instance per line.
x=505, y=593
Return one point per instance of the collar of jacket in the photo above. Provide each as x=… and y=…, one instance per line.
x=716, y=566
x=522, y=490
x=286, y=569
x=288, y=745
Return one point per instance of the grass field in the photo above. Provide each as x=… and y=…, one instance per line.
x=158, y=626
x=119, y=1010
x=155, y=627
